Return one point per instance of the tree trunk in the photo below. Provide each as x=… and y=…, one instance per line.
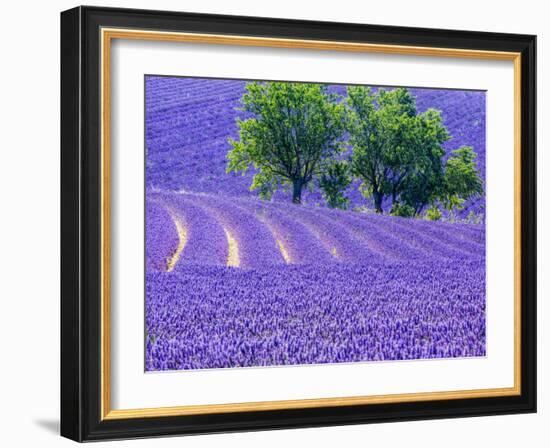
x=378, y=202
x=297, y=185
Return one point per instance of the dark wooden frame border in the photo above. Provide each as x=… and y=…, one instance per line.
x=81, y=407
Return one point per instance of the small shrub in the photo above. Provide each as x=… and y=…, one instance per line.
x=403, y=210
x=433, y=213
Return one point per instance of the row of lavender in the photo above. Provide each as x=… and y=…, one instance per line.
x=211, y=229
x=188, y=123
x=217, y=317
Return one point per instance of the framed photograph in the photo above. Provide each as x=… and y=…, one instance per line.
x=273, y=223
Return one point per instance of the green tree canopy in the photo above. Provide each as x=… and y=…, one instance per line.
x=333, y=183
x=461, y=180
x=396, y=151
x=297, y=133
x=293, y=129
x=424, y=183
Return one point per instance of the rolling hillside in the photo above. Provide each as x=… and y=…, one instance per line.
x=236, y=282
x=188, y=122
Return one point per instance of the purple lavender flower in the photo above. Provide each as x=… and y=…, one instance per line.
x=213, y=317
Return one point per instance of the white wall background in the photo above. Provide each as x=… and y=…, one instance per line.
x=29, y=236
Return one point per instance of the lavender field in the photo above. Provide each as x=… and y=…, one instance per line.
x=233, y=280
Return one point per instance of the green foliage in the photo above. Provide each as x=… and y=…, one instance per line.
x=367, y=141
x=433, y=213
x=265, y=183
x=403, y=210
x=333, y=182
x=461, y=180
x=396, y=151
x=294, y=129
x=424, y=177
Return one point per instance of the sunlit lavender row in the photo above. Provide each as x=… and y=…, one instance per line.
x=260, y=234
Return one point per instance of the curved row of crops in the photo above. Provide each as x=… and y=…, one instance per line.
x=234, y=282
x=189, y=229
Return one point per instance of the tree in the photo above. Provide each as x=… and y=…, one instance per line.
x=461, y=180
x=333, y=182
x=425, y=181
x=396, y=151
x=293, y=129
x=367, y=141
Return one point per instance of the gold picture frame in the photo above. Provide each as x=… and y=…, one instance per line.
x=107, y=30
